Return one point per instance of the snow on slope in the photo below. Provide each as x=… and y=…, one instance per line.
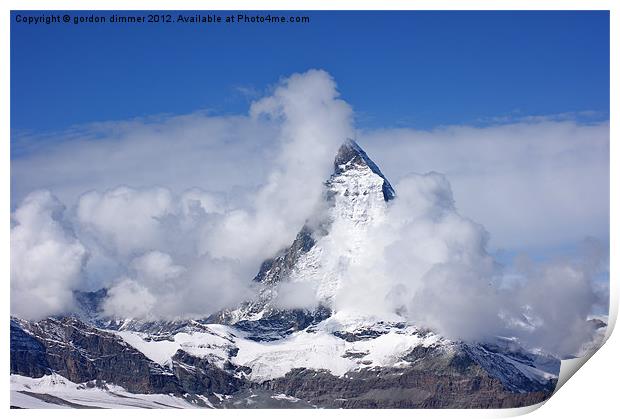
x=358, y=204
x=322, y=350
x=55, y=391
x=315, y=348
x=213, y=345
x=25, y=401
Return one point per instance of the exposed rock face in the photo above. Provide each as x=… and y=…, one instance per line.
x=28, y=354
x=276, y=269
x=412, y=388
x=199, y=376
x=281, y=323
x=83, y=353
x=271, y=273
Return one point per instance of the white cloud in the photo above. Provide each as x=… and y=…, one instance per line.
x=296, y=295
x=558, y=298
x=46, y=258
x=213, y=153
x=125, y=220
x=156, y=286
x=533, y=184
x=129, y=299
x=195, y=202
x=159, y=288
x=156, y=268
x=313, y=123
x=422, y=235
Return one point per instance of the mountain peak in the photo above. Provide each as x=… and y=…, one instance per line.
x=350, y=155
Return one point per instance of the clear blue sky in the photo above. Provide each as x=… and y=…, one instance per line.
x=419, y=69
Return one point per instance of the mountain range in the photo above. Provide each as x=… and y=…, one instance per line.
x=267, y=353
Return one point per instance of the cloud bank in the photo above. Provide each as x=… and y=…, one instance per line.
x=533, y=183
x=174, y=215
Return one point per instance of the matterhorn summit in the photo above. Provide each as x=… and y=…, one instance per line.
x=355, y=199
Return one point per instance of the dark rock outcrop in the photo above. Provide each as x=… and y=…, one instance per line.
x=28, y=354
x=275, y=269
x=83, y=353
x=460, y=386
x=199, y=376
x=280, y=323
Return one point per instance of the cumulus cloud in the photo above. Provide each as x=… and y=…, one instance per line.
x=296, y=295
x=556, y=299
x=46, y=258
x=421, y=236
x=126, y=220
x=156, y=287
x=129, y=299
x=429, y=264
x=195, y=202
x=313, y=122
x=534, y=183
x=156, y=268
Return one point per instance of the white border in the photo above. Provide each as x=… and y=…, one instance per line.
x=592, y=393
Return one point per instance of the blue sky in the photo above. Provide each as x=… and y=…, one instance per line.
x=417, y=69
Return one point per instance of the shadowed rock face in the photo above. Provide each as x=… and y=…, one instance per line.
x=28, y=354
x=349, y=156
x=397, y=388
x=82, y=353
x=278, y=324
x=276, y=269
x=198, y=376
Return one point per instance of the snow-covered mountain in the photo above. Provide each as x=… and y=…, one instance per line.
x=355, y=199
x=270, y=353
